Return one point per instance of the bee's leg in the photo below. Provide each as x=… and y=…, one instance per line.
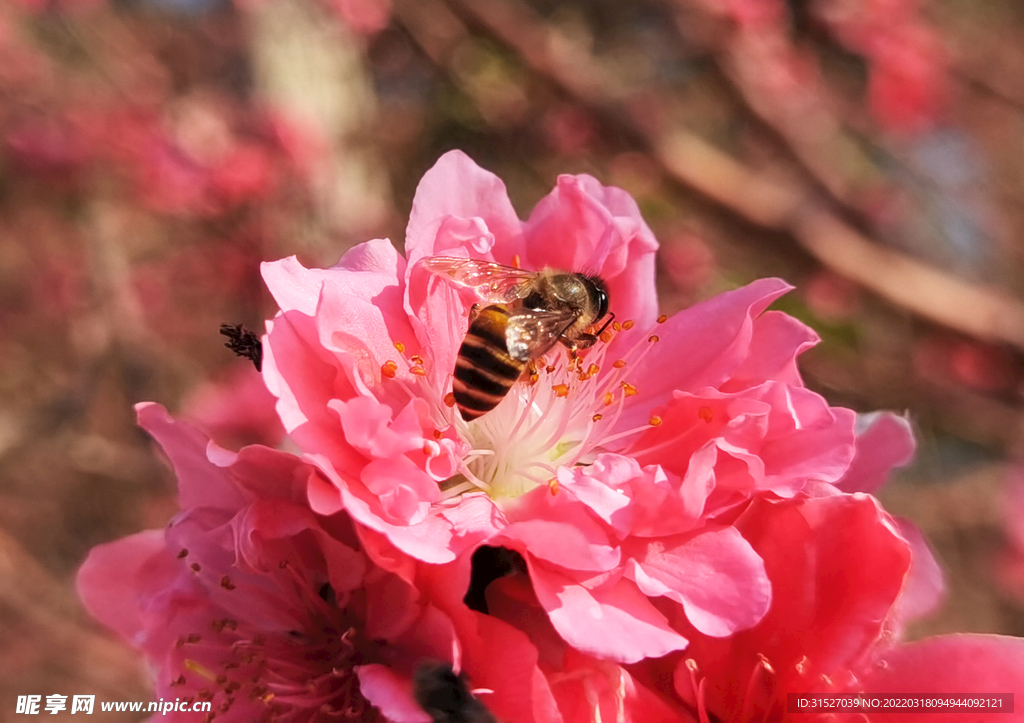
x=585, y=341
x=473, y=311
x=573, y=347
x=531, y=373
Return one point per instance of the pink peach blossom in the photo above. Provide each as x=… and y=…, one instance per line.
x=616, y=537
x=840, y=571
x=846, y=578
x=708, y=403
x=254, y=603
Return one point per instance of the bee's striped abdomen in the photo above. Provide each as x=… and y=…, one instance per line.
x=484, y=371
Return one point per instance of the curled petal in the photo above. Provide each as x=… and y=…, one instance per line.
x=716, y=576
x=614, y=621
x=924, y=584
x=777, y=340
x=585, y=226
x=702, y=346
x=371, y=270
x=884, y=441
x=465, y=208
x=391, y=694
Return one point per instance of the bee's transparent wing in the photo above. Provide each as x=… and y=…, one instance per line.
x=531, y=332
x=494, y=283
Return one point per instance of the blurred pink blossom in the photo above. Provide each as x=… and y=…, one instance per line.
x=365, y=17
x=687, y=260
x=569, y=130
x=833, y=297
x=907, y=86
x=907, y=62
x=237, y=411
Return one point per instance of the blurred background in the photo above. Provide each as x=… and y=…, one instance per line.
x=153, y=152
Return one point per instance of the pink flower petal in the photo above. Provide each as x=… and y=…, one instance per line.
x=453, y=197
x=521, y=692
x=615, y=621
x=115, y=574
x=431, y=540
x=702, y=346
x=403, y=490
x=597, y=690
x=366, y=271
x=574, y=542
x=778, y=339
x=390, y=693
x=585, y=226
x=267, y=521
x=820, y=446
x=362, y=329
x=716, y=576
x=602, y=488
x=924, y=586
x=304, y=378
x=884, y=441
x=949, y=666
x=836, y=568
x=370, y=428
x=199, y=483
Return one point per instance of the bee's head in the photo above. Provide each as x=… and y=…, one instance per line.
x=598, y=294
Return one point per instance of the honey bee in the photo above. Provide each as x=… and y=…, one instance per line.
x=528, y=312
x=445, y=697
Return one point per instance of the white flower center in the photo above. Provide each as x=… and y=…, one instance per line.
x=558, y=416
